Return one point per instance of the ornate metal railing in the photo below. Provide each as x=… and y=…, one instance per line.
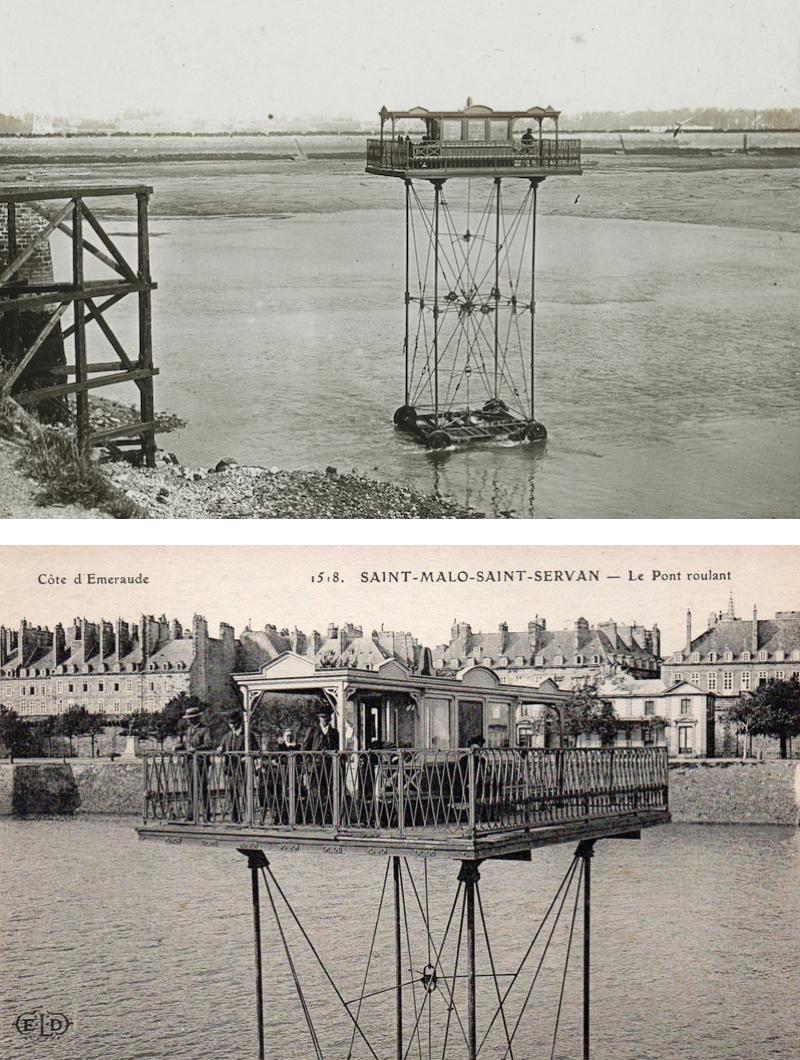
x=458, y=154
x=402, y=791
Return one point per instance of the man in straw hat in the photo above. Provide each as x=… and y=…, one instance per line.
x=196, y=738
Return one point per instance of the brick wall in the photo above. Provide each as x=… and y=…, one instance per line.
x=19, y=330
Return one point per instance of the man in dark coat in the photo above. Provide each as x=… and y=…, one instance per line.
x=233, y=763
x=196, y=738
x=319, y=767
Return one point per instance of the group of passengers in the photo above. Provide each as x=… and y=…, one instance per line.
x=301, y=792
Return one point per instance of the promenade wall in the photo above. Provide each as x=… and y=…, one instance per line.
x=735, y=791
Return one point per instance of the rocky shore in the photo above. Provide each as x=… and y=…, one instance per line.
x=229, y=491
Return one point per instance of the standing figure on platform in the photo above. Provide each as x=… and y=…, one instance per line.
x=321, y=737
x=232, y=750
x=283, y=809
x=196, y=738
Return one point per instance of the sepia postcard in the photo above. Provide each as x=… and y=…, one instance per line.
x=361, y=260
x=399, y=802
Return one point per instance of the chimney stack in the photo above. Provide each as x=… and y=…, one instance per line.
x=754, y=632
x=688, y=632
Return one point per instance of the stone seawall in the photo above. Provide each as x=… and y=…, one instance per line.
x=86, y=786
x=731, y=791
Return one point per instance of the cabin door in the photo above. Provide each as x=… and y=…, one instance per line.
x=373, y=721
x=470, y=720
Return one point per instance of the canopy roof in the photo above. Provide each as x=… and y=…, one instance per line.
x=475, y=110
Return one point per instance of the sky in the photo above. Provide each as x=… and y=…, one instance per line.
x=244, y=59
x=243, y=584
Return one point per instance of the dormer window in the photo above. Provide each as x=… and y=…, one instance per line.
x=539, y=660
x=596, y=660
x=486, y=662
x=559, y=660
x=728, y=657
x=695, y=656
x=745, y=656
x=780, y=656
x=677, y=657
x=763, y=656
x=712, y=656
x=502, y=661
x=579, y=660
x=519, y=661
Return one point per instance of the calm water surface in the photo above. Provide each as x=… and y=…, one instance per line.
x=667, y=361
x=149, y=948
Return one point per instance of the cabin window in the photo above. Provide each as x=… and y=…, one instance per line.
x=498, y=130
x=451, y=130
x=405, y=727
x=439, y=714
x=470, y=720
x=476, y=130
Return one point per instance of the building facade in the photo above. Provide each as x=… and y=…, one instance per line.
x=735, y=655
x=116, y=668
x=113, y=668
x=567, y=657
x=687, y=710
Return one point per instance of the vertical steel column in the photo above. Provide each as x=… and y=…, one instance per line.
x=437, y=186
x=469, y=876
x=146, y=402
x=497, y=183
x=586, y=852
x=398, y=959
x=256, y=860
x=535, y=187
x=249, y=775
x=408, y=277
x=81, y=396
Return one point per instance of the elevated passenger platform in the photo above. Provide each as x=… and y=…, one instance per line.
x=476, y=141
x=470, y=804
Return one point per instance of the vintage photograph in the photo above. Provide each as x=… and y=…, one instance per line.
x=356, y=260
x=399, y=802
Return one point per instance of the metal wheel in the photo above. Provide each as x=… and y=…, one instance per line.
x=537, y=432
x=439, y=440
x=406, y=416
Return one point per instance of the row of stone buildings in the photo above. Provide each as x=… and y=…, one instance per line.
x=114, y=668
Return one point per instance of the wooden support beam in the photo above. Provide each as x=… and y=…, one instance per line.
x=16, y=263
x=32, y=193
x=90, y=247
x=91, y=289
x=37, y=344
x=126, y=428
x=33, y=397
x=146, y=399
x=65, y=334
x=82, y=417
x=109, y=244
x=93, y=366
x=114, y=342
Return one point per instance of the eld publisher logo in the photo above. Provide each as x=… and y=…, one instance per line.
x=39, y=1026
